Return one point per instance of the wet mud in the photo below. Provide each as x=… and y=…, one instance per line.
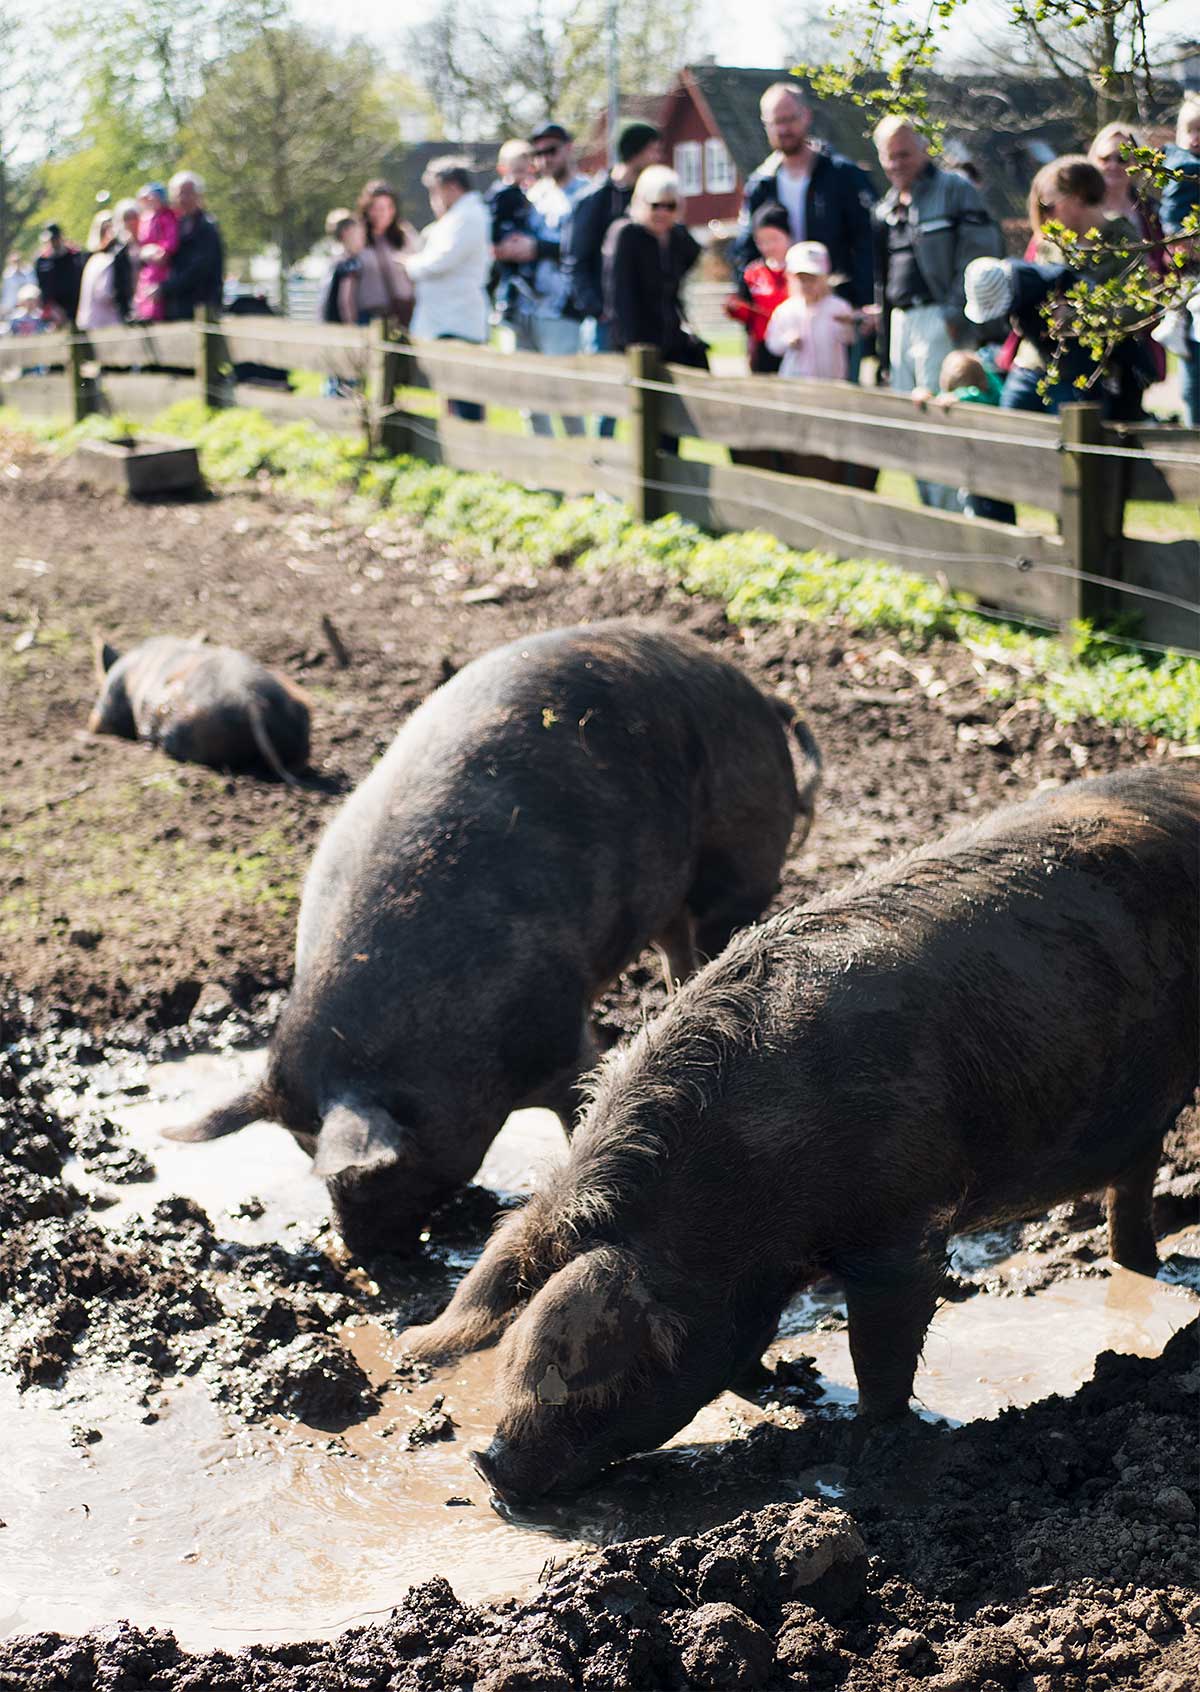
x=219, y=1472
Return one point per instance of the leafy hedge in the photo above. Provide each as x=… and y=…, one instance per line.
x=755, y=576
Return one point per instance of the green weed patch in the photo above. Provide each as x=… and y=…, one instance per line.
x=755, y=576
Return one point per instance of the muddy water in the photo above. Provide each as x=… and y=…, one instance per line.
x=277, y=1533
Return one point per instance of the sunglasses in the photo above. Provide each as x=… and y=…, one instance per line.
x=664, y=205
x=547, y=152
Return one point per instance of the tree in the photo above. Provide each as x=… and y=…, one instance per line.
x=287, y=126
x=114, y=152
x=497, y=69
x=1088, y=72
x=24, y=112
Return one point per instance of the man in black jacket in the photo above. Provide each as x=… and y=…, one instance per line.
x=58, y=270
x=638, y=145
x=828, y=198
x=198, y=266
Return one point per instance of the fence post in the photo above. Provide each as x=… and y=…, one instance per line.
x=211, y=359
x=389, y=363
x=1088, y=484
x=84, y=397
x=648, y=502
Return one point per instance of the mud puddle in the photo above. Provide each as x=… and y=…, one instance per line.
x=278, y=1532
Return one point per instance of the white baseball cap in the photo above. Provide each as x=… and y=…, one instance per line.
x=989, y=289
x=807, y=258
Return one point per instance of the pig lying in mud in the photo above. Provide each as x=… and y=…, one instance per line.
x=541, y=819
x=202, y=704
x=996, y=1023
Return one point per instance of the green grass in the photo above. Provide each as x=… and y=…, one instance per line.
x=752, y=574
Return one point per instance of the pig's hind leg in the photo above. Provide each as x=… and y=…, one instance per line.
x=1131, y=1241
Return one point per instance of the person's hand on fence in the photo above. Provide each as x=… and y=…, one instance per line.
x=920, y=396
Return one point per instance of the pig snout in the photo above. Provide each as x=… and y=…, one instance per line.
x=522, y=1476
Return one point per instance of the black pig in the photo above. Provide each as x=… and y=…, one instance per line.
x=557, y=806
x=202, y=704
x=998, y=1022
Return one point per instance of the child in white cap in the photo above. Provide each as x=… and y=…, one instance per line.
x=813, y=328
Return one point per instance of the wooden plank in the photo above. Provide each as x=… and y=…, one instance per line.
x=1155, y=479
x=578, y=386
x=1171, y=567
x=980, y=557
x=28, y=352
x=39, y=396
x=971, y=446
x=336, y=349
x=563, y=466
x=139, y=345
x=143, y=396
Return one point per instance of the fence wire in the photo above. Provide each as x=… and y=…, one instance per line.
x=868, y=546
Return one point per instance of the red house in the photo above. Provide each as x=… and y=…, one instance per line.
x=713, y=138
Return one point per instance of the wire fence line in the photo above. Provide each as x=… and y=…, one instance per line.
x=377, y=369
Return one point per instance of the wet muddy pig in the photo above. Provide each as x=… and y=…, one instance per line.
x=999, y=1022
x=559, y=805
x=202, y=704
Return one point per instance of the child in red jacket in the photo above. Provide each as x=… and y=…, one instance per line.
x=767, y=281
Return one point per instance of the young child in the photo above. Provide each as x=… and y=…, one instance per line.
x=813, y=328
x=964, y=379
x=339, y=289
x=158, y=237
x=766, y=280
x=511, y=213
x=30, y=316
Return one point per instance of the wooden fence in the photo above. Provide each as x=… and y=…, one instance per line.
x=1074, y=467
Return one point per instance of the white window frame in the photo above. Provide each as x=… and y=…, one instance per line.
x=720, y=177
x=689, y=167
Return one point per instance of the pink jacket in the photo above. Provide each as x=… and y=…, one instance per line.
x=161, y=229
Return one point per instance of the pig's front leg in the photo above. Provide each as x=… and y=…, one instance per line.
x=890, y=1302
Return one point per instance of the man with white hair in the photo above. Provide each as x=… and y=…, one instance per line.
x=928, y=227
x=198, y=266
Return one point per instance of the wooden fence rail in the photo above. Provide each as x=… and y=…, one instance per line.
x=1072, y=467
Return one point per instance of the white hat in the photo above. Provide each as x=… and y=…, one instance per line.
x=989, y=288
x=807, y=258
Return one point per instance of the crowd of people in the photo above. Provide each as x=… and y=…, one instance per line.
x=824, y=272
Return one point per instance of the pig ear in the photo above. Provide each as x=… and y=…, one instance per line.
x=356, y=1137
x=248, y=1107
x=104, y=656
x=601, y=1322
x=486, y=1302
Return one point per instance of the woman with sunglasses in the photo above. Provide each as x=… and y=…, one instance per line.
x=646, y=257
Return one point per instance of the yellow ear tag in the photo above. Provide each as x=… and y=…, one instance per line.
x=552, y=1389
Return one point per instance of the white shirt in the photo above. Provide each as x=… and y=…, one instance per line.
x=449, y=272
x=822, y=352
x=793, y=191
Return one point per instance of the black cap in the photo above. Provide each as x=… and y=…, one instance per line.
x=633, y=137
x=53, y=230
x=550, y=132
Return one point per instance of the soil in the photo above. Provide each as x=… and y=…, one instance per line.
x=148, y=907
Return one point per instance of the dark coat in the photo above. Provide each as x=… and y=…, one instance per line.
x=594, y=215
x=59, y=275
x=837, y=212
x=641, y=289
x=197, y=268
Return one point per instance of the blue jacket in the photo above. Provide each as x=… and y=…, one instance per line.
x=1182, y=193
x=837, y=212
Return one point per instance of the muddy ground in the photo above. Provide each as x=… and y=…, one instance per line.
x=148, y=907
